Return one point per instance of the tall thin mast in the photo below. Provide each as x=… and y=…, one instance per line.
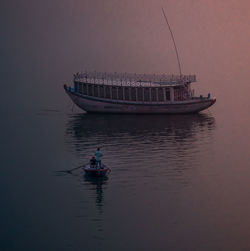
x=177, y=55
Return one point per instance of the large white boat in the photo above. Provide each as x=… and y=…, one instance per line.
x=137, y=93
x=100, y=92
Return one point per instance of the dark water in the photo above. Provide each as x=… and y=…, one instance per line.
x=177, y=182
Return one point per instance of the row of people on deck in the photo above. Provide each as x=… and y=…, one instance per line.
x=96, y=161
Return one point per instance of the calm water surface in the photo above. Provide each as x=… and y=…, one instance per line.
x=176, y=183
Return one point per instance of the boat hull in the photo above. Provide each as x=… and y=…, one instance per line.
x=101, y=105
x=96, y=171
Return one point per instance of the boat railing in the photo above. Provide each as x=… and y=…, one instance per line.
x=129, y=79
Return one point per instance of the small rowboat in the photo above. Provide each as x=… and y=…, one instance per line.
x=96, y=171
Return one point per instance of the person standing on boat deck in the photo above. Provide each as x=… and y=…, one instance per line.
x=98, y=156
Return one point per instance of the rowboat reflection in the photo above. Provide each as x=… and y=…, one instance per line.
x=98, y=184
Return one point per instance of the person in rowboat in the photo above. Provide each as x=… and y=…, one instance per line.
x=92, y=162
x=98, y=156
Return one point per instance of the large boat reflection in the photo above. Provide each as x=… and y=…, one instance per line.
x=95, y=128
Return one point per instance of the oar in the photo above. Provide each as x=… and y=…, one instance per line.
x=73, y=169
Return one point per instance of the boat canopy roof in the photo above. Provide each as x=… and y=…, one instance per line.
x=134, y=79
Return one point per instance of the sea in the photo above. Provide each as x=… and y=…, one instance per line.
x=177, y=182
